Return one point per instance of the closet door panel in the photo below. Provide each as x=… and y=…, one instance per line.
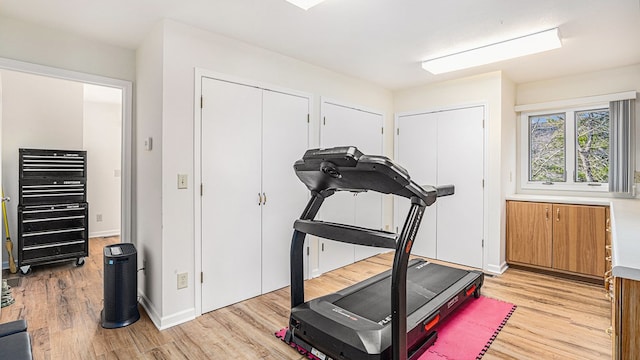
x=460, y=228
x=417, y=152
x=345, y=126
x=285, y=139
x=231, y=237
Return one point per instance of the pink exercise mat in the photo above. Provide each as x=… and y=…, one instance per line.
x=467, y=334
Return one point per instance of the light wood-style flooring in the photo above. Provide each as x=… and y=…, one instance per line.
x=556, y=318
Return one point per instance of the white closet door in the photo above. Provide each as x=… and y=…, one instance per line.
x=369, y=204
x=231, y=141
x=285, y=139
x=461, y=162
x=417, y=152
x=344, y=126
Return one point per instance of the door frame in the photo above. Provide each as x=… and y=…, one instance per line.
x=485, y=144
x=199, y=74
x=126, y=186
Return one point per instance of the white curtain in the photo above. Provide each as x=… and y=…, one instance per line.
x=621, y=146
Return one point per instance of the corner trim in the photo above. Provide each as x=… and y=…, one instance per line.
x=497, y=269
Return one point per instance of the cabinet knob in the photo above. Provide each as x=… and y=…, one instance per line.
x=609, y=330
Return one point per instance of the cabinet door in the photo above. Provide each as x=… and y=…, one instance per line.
x=529, y=233
x=285, y=134
x=231, y=238
x=578, y=238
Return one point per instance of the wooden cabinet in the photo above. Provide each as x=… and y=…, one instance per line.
x=529, y=233
x=578, y=239
x=569, y=238
x=626, y=312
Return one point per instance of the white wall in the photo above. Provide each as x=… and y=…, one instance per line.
x=483, y=89
x=508, y=160
x=147, y=177
x=582, y=85
x=36, y=44
x=38, y=112
x=102, y=129
x=185, y=48
x=48, y=113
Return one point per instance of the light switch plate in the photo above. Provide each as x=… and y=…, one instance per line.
x=148, y=143
x=182, y=181
x=183, y=280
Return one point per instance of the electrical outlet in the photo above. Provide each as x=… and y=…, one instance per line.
x=144, y=266
x=637, y=177
x=98, y=217
x=182, y=181
x=183, y=279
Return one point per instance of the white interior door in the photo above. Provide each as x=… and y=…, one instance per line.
x=461, y=162
x=417, y=152
x=231, y=238
x=345, y=126
x=285, y=139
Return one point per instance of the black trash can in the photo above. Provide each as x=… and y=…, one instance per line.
x=120, y=286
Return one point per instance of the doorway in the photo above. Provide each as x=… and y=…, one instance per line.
x=104, y=112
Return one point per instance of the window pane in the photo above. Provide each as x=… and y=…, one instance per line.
x=592, y=146
x=547, y=148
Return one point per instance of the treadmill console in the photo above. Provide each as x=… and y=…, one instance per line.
x=345, y=168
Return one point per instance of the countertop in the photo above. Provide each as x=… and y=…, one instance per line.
x=625, y=228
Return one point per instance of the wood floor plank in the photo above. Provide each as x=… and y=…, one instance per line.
x=556, y=318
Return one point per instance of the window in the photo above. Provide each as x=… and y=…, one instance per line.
x=566, y=149
x=547, y=151
x=592, y=146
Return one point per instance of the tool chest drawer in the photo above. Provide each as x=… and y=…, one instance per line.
x=58, y=164
x=33, y=255
x=55, y=223
x=44, y=191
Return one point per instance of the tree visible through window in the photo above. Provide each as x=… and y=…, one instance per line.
x=592, y=146
x=547, y=148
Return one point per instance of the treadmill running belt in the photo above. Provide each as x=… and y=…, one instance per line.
x=424, y=282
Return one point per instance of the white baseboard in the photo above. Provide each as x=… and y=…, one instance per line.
x=497, y=269
x=315, y=273
x=150, y=309
x=105, y=233
x=166, y=322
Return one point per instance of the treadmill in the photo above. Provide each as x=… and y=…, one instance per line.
x=393, y=315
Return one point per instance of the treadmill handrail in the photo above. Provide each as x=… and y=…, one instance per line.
x=347, y=233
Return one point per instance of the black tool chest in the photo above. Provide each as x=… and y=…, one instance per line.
x=52, y=210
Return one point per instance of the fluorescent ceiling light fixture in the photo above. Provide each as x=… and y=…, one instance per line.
x=508, y=49
x=305, y=4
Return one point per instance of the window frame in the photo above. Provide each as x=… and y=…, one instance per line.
x=570, y=183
